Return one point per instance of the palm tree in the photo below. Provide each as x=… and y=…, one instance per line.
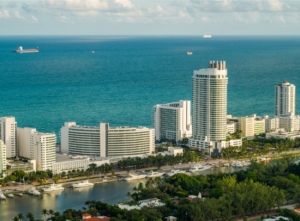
x=44, y=213
x=30, y=216
x=51, y=212
x=15, y=218
x=20, y=216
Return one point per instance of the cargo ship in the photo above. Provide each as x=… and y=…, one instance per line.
x=21, y=50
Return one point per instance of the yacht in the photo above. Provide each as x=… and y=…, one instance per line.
x=82, y=184
x=174, y=172
x=206, y=36
x=33, y=191
x=239, y=164
x=10, y=195
x=199, y=167
x=53, y=187
x=2, y=197
x=133, y=176
x=226, y=164
x=189, y=53
x=154, y=174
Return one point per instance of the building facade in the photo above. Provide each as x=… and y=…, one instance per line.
x=284, y=99
x=210, y=102
x=251, y=125
x=37, y=146
x=271, y=124
x=2, y=158
x=172, y=121
x=105, y=141
x=8, y=134
x=122, y=141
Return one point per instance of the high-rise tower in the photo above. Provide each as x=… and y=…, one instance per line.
x=284, y=99
x=8, y=134
x=210, y=102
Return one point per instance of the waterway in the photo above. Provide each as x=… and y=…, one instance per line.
x=111, y=193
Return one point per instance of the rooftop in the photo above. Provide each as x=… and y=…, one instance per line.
x=65, y=158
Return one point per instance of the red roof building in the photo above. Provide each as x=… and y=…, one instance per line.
x=297, y=211
x=88, y=217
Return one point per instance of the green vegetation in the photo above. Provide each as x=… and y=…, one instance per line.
x=43, y=176
x=157, y=161
x=261, y=188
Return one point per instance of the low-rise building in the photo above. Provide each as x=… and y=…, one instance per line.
x=2, y=158
x=172, y=151
x=232, y=127
x=214, y=146
x=27, y=167
x=154, y=202
x=251, y=125
x=65, y=163
x=282, y=134
x=88, y=217
x=271, y=124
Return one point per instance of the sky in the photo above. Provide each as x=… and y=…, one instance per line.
x=149, y=17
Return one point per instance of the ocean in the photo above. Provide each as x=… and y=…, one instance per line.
x=128, y=75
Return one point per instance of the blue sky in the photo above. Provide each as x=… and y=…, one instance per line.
x=149, y=17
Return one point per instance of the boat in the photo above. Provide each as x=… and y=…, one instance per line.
x=174, y=172
x=154, y=174
x=93, y=52
x=134, y=176
x=199, y=167
x=20, y=50
x=10, y=195
x=53, y=187
x=84, y=183
x=19, y=194
x=206, y=36
x=189, y=53
x=33, y=191
x=2, y=197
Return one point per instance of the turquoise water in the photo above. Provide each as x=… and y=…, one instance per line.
x=127, y=76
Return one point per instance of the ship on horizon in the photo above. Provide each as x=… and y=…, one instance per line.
x=206, y=36
x=20, y=50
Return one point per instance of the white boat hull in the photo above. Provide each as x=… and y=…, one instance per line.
x=85, y=185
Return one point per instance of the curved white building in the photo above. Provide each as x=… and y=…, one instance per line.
x=105, y=141
x=210, y=102
x=122, y=141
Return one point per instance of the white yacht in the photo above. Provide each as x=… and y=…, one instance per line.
x=10, y=195
x=226, y=164
x=2, y=197
x=154, y=174
x=82, y=184
x=199, y=167
x=206, y=36
x=53, y=187
x=33, y=191
x=133, y=176
x=173, y=172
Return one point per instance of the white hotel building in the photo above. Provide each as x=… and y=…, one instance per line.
x=172, y=121
x=37, y=146
x=8, y=134
x=2, y=158
x=105, y=141
x=210, y=108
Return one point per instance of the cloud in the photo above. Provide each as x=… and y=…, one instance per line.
x=17, y=14
x=4, y=14
x=28, y=8
x=245, y=6
x=34, y=19
x=12, y=5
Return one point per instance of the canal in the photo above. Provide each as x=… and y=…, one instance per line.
x=111, y=193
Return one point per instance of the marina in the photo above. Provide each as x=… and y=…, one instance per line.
x=108, y=192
